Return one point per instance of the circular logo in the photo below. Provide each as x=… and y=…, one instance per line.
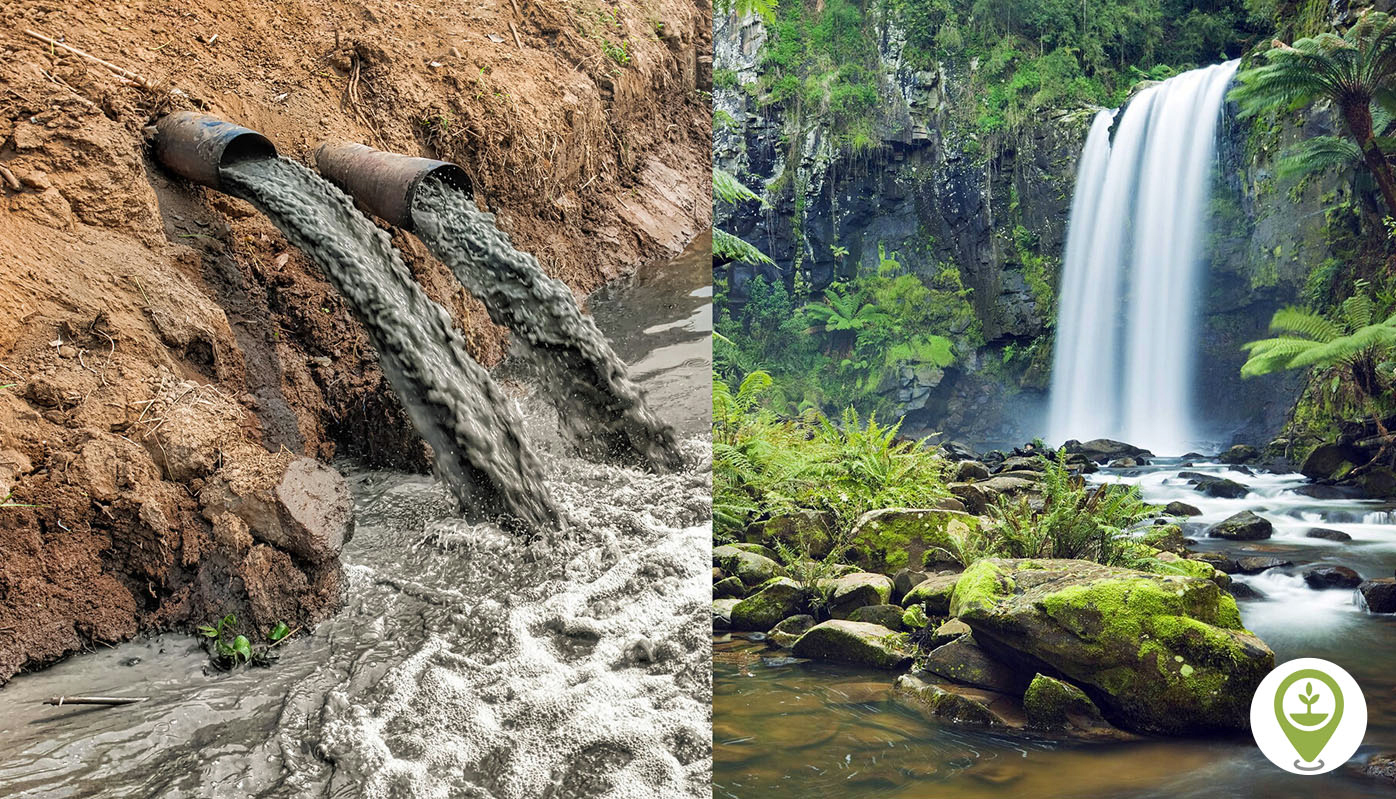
x=1308, y=716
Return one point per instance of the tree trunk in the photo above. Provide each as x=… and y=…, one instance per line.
x=1359, y=121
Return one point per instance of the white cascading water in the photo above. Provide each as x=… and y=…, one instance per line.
x=1127, y=319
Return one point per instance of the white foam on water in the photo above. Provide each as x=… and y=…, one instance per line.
x=592, y=679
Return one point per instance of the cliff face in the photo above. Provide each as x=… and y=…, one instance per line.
x=994, y=207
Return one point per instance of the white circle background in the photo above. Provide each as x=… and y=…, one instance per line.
x=1270, y=737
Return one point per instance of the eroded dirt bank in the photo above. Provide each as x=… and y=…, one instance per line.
x=172, y=370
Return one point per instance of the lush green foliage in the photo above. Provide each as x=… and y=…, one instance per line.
x=845, y=348
x=765, y=466
x=727, y=247
x=1356, y=348
x=1352, y=71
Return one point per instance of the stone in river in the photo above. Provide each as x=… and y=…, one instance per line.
x=1379, y=595
x=1243, y=526
x=1332, y=577
x=1330, y=535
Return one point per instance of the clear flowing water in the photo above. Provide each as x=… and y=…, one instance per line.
x=474, y=432
x=787, y=728
x=466, y=663
x=1127, y=322
x=601, y=410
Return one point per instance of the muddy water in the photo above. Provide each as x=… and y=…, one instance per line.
x=465, y=664
x=472, y=428
x=601, y=410
x=789, y=729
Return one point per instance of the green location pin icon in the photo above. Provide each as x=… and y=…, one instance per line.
x=1302, y=729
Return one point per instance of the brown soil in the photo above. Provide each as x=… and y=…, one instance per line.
x=152, y=332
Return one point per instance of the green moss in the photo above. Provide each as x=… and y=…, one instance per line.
x=1050, y=703
x=980, y=586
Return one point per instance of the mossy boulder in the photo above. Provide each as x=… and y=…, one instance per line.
x=729, y=587
x=760, y=549
x=770, y=602
x=1243, y=526
x=860, y=589
x=855, y=642
x=1166, y=537
x=1167, y=563
x=891, y=539
x=1163, y=654
x=963, y=661
x=752, y=568
x=1058, y=708
x=934, y=592
x=799, y=530
x=789, y=630
x=947, y=704
x=889, y=616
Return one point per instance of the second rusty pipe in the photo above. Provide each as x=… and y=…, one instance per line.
x=385, y=183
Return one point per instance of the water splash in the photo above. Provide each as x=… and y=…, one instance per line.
x=600, y=409
x=1124, y=360
x=473, y=430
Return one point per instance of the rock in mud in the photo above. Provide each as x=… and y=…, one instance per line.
x=1379, y=595
x=751, y=568
x=293, y=503
x=789, y=630
x=1176, y=508
x=1327, y=535
x=1243, y=526
x=958, y=704
x=729, y=587
x=1332, y=577
x=1158, y=654
x=1240, y=453
x=889, y=616
x=860, y=589
x=858, y=643
x=889, y=539
x=963, y=661
x=934, y=592
x=768, y=603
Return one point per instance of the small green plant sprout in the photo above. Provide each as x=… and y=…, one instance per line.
x=229, y=649
x=6, y=503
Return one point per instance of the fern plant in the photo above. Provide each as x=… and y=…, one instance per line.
x=726, y=246
x=1074, y=520
x=1357, y=343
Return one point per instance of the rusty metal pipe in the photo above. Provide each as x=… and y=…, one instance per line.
x=197, y=146
x=385, y=183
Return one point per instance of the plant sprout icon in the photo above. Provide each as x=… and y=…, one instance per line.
x=1308, y=718
x=1302, y=729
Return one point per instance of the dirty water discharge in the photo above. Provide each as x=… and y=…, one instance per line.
x=455, y=404
x=600, y=409
x=467, y=662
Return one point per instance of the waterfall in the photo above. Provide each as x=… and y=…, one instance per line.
x=1127, y=320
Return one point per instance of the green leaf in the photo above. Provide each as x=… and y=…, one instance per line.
x=208, y=631
x=243, y=647
x=279, y=631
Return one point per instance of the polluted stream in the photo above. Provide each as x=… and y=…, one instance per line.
x=467, y=662
x=602, y=410
x=789, y=728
